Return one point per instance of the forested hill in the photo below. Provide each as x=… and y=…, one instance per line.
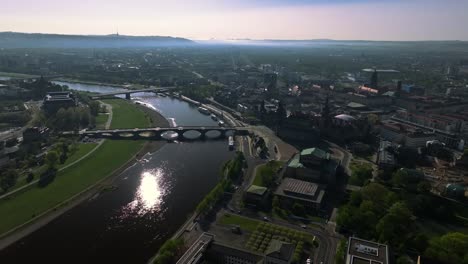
x=35, y=40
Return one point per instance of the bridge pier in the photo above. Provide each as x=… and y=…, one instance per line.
x=202, y=134
x=222, y=133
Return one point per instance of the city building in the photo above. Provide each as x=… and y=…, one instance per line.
x=227, y=254
x=53, y=101
x=405, y=134
x=279, y=252
x=385, y=159
x=362, y=251
x=312, y=164
x=291, y=191
x=448, y=129
x=195, y=253
x=256, y=195
x=34, y=134
x=206, y=249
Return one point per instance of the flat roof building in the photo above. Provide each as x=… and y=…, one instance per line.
x=53, y=101
x=362, y=251
x=195, y=253
x=307, y=193
x=385, y=159
x=256, y=195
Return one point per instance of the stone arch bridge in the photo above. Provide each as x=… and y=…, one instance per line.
x=166, y=133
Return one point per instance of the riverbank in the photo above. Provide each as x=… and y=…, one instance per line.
x=35, y=208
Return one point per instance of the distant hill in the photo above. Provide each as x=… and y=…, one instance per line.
x=36, y=40
x=331, y=42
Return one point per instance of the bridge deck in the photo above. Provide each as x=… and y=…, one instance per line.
x=156, y=89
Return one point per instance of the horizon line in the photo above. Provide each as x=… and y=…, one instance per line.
x=235, y=39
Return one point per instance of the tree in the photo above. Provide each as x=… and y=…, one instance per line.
x=8, y=179
x=275, y=203
x=424, y=187
x=361, y=173
x=51, y=159
x=395, y=227
x=355, y=199
x=94, y=108
x=298, y=209
x=30, y=177
x=404, y=260
x=449, y=248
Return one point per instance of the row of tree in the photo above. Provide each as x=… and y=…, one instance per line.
x=8, y=178
x=169, y=251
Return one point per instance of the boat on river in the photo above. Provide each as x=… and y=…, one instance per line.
x=203, y=110
x=231, y=143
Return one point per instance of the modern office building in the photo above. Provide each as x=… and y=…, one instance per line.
x=53, y=101
x=362, y=251
x=314, y=165
x=291, y=191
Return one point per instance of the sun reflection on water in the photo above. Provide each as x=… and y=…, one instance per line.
x=149, y=195
x=149, y=192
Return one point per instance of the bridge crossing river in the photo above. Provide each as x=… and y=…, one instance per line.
x=165, y=133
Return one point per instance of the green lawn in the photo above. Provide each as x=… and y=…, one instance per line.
x=244, y=223
x=101, y=120
x=128, y=115
x=23, y=206
x=82, y=149
x=266, y=171
x=17, y=75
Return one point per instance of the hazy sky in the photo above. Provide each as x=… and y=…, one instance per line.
x=255, y=19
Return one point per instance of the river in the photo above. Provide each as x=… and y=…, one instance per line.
x=152, y=200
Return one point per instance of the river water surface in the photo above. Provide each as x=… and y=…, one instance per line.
x=152, y=200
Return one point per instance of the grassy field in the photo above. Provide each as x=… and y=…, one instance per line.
x=266, y=170
x=101, y=120
x=82, y=150
x=16, y=75
x=111, y=155
x=244, y=223
x=128, y=116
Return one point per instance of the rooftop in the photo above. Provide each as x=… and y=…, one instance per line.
x=364, y=251
x=280, y=250
x=345, y=117
x=355, y=105
x=196, y=250
x=295, y=162
x=258, y=190
x=316, y=152
x=297, y=189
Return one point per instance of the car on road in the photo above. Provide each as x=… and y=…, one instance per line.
x=266, y=219
x=304, y=226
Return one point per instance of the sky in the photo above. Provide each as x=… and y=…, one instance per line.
x=241, y=19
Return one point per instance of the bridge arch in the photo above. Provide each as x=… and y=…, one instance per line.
x=193, y=134
x=170, y=135
x=126, y=134
x=214, y=134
